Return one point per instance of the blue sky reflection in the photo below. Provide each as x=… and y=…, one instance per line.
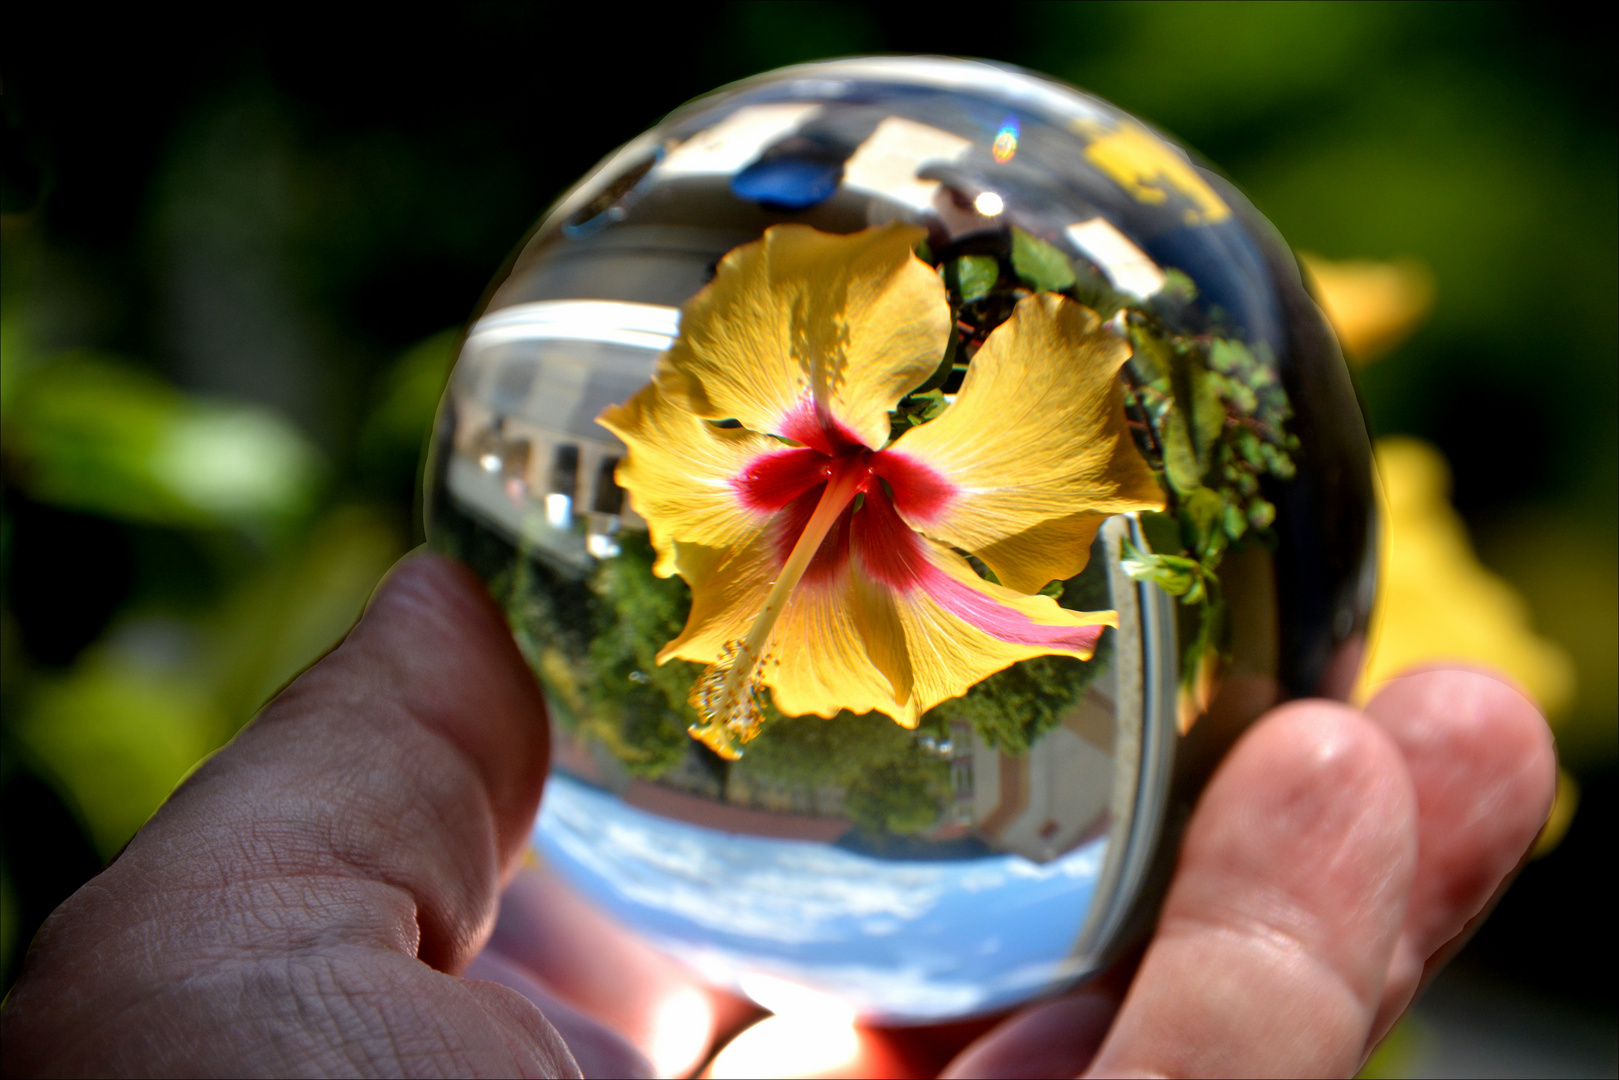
x=901, y=939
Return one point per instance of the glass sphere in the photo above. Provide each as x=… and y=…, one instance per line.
x=906, y=478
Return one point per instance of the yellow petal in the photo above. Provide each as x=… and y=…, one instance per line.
x=950, y=655
x=679, y=474
x=728, y=589
x=1035, y=447
x=802, y=324
x=863, y=646
x=840, y=645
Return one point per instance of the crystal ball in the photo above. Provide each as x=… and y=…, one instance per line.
x=906, y=477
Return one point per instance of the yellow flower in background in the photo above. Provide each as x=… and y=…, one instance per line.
x=1436, y=601
x=1373, y=305
x=825, y=558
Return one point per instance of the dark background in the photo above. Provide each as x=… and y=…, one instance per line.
x=273, y=220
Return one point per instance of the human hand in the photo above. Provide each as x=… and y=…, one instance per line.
x=314, y=899
x=304, y=902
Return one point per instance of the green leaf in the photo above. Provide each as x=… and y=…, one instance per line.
x=1234, y=522
x=1205, y=646
x=1208, y=412
x=1178, y=286
x=928, y=405
x=1174, y=574
x=1243, y=397
x=1097, y=293
x=1052, y=589
x=1232, y=358
x=1247, y=444
x=1040, y=265
x=972, y=276
x=981, y=568
x=118, y=734
x=1186, y=455
x=1213, y=548
x=1149, y=353
x=1180, y=459
x=952, y=351
x=394, y=434
x=1200, y=517
x=1161, y=532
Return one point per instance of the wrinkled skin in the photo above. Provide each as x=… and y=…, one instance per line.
x=321, y=896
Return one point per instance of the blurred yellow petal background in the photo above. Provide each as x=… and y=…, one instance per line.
x=1436, y=601
x=1373, y=305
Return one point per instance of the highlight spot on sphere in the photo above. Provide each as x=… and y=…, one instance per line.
x=1005, y=146
x=792, y=1046
x=681, y=1025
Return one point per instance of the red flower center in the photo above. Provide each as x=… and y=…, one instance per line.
x=788, y=484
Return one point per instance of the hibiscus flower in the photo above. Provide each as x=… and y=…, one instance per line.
x=828, y=563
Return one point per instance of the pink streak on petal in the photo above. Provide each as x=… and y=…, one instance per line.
x=1008, y=624
x=893, y=554
x=920, y=493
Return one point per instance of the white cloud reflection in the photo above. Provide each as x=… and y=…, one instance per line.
x=893, y=937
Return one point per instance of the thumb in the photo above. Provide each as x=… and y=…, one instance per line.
x=414, y=754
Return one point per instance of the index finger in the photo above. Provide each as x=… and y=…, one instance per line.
x=1275, y=938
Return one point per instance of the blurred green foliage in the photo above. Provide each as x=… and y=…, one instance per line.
x=230, y=277
x=93, y=433
x=890, y=782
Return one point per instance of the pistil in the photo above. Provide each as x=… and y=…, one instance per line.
x=727, y=694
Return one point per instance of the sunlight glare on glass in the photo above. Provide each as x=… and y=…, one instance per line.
x=789, y=1046
x=989, y=204
x=559, y=510
x=1005, y=145
x=681, y=1025
x=789, y=998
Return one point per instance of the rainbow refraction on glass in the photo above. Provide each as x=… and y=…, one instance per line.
x=1004, y=148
